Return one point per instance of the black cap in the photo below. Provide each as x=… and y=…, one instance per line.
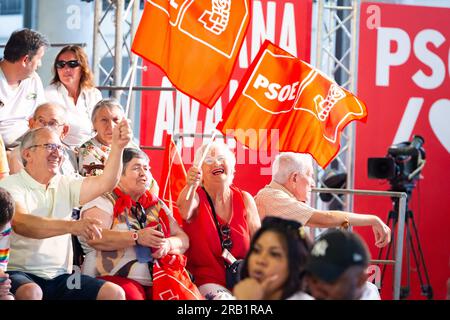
x=334, y=252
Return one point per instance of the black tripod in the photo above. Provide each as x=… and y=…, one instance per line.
x=412, y=237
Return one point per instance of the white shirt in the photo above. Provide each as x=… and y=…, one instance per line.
x=51, y=257
x=17, y=105
x=79, y=115
x=93, y=259
x=370, y=292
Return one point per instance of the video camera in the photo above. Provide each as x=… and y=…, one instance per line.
x=401, y=166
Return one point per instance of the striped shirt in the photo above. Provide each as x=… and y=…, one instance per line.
x=4, y=246
x=276, y=200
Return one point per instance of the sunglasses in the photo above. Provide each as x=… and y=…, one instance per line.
x=225, y=231
x=60, y=64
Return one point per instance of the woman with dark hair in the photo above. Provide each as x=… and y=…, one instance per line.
x=274, y=266
x=73, y=87
x=136, y=229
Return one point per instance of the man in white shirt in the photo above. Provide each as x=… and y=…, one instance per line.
x=337, y=268
x=41, y=251
x=21, y=89
x=54, y=116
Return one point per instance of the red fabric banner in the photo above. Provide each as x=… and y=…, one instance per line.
x=283, y=93
x=173, y=178
x=195, y=42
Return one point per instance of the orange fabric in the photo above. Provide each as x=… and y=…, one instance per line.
x=171, y=280
x=173, y=178
x=280, y=91
x=195, y=43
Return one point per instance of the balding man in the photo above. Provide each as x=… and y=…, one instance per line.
x=54, y=116
x=21, y=89
x=41, y=252
x=289, y=192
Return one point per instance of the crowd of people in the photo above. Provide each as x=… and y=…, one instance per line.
x=65, y=149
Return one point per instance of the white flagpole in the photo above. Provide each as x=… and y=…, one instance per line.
x=130, y=90
x=199, y=164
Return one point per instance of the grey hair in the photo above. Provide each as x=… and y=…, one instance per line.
x=106, y=103
x=29, y=139
x=220, y=145
x=286, y=163
x=57, y=105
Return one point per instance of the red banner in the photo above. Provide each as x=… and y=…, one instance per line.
x=195, y=42
x=282, y=93
x=404, y=79
x=287, y=23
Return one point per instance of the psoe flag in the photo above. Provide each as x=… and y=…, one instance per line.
x=194, y=42
x=283, y=93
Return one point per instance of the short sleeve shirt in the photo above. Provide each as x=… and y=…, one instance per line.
x=51, y=257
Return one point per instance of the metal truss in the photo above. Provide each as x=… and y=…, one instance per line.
x=336, y=56
x=125, y=25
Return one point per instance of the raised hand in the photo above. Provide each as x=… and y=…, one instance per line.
x=194, y=176
x=122, y=133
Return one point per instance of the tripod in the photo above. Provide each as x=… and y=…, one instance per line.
x=412, y=236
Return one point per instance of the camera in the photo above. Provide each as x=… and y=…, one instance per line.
x=401, y=166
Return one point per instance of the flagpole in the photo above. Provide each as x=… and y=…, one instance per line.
x=199, y=164
x=130, y=90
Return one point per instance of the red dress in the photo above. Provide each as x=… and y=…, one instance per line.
x=205, y=260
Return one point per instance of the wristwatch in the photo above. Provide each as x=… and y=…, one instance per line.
x=135, y=236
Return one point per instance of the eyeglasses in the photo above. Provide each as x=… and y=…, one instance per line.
x=211, y=160
x=225, y=231
x=52, y=123
x=60, y=64
x=50, y=147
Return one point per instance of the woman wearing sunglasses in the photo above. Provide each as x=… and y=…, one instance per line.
x=274, y=267
x=73, y=87
x=220, y=219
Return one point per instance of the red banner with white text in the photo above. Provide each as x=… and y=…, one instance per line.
x=404, y=78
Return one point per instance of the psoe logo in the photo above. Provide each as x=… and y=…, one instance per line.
x=324, y=106
x=217, y=19
x=274, y=84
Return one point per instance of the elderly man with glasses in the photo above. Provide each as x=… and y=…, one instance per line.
x=50, y=115
x=40, y=263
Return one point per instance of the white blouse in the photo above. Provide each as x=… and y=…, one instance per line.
x=79, y=115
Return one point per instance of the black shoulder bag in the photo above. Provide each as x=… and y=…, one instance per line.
x=232, y=265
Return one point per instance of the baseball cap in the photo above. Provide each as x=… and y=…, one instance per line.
x=334, y=252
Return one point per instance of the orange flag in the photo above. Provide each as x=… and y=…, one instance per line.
x=284, y=95
x=173, y=178
x=195, y=42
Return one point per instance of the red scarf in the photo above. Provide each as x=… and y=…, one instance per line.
x=147, y=200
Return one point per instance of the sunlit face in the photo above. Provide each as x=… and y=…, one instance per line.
x=69, y=76
x=303, y=184
x=136, y=178
x=105, y=121
x=215, y=167
x=269, y=257
x=47, y=153
x=34, y=63
x=50, y=116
